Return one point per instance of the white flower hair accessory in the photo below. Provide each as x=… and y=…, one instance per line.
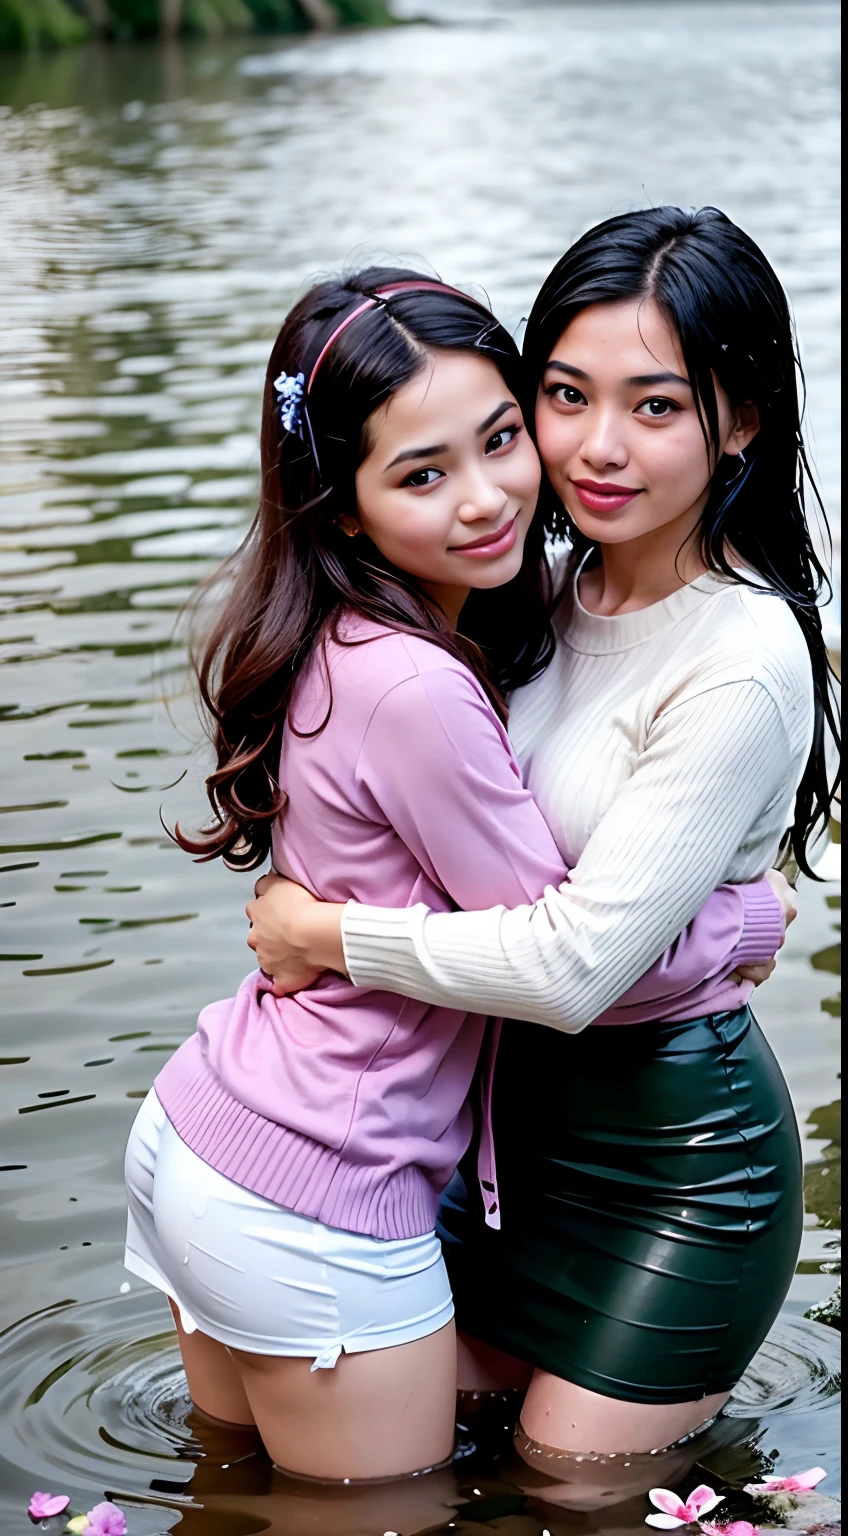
x=291, y=390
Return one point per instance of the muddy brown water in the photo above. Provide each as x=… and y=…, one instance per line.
x=159, y=211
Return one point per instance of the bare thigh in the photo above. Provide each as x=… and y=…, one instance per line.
x=387, y=1413
x=561, y=1415
x=558, y=1415
x=213, y=1376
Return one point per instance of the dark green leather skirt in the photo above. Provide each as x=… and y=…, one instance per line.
x=651, y=1204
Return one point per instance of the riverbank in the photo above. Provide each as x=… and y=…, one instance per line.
x=27, y=24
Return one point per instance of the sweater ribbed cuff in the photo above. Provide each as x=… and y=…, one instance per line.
x=764, y=929
x=379, y=944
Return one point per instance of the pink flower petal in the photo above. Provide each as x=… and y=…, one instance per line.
x=106, y=1520
x=44, y=1505
x=665, y=1522
x=802, y=1482
x=702, y=1500
x=670, y=1503
x=811, y=1479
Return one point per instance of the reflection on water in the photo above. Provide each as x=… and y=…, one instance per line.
x=159, y=212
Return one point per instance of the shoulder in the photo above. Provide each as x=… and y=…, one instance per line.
x=747, y=633
x=373, y=669
x=746, y=640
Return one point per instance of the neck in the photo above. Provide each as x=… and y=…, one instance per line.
x=646, y=570
x=450, y=600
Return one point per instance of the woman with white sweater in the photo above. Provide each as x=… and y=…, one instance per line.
x=644, y=1226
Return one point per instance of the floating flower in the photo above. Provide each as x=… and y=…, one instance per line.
x=42, y=1506
x=802, y=1482
x=77, y=1525
x=106, y=1520
x=733, y=1528
x=675, y=1513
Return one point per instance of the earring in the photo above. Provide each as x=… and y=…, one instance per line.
x=740, y=471
x=344, y=523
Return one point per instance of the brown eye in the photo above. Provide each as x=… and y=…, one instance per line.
x=421, y=478
x=502, y=439
x=566, y=394
x=659, y=408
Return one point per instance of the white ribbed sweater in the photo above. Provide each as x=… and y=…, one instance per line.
x=664, y=748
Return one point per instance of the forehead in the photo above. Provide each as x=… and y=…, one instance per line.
x=451, y=391
x=631, y=337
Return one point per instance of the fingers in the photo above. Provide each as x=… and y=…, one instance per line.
x=785, y=895
x=758, y=974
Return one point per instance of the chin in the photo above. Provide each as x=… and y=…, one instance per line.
x=612, y=529
x=501, y=572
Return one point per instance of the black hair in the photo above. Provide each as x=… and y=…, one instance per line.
x=296, y=573
x=725, y=302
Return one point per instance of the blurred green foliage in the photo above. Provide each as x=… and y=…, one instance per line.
x=30, y=23
x=54, y=23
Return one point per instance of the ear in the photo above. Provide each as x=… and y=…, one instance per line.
x=348, y=525
x=745, y=427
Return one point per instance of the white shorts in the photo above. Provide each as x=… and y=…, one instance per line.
x=260, y=1278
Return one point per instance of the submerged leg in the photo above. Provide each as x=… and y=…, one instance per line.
x=214, y=1379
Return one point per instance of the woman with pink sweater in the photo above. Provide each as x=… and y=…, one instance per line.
x=285, y=1173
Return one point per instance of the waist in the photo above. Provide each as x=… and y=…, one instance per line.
x=377, y=1199
x=617, y=1048
x=720, y=995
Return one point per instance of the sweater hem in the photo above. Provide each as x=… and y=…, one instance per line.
x=285, y=1166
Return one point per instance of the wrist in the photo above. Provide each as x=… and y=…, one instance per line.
x=319, y=936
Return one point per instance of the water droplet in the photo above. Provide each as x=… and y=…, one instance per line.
x=125, y=1287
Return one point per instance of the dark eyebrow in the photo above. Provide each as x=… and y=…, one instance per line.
x=639, y=380
x=417, y=453
x=410, y=454
x=508, y=405
x=646, y=380
x=576, y=373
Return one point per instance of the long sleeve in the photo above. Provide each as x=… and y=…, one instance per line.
x=713, y=763
x=441, y=772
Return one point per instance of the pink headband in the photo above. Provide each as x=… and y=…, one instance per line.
x=408, y=285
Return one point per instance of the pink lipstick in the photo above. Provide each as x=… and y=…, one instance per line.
x=604, y=497
x=491, y=545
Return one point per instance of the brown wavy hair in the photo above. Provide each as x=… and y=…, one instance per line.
x=295, y=574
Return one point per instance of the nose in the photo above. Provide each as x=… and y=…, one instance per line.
x=481, y=498
x=603, y=446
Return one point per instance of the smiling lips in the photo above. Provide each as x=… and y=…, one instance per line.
x=600, y=497
x=491, y=544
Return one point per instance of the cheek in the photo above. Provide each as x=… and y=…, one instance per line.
x=406, y=534
x=558, y=437
x=673, y=460
x=521, y=476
